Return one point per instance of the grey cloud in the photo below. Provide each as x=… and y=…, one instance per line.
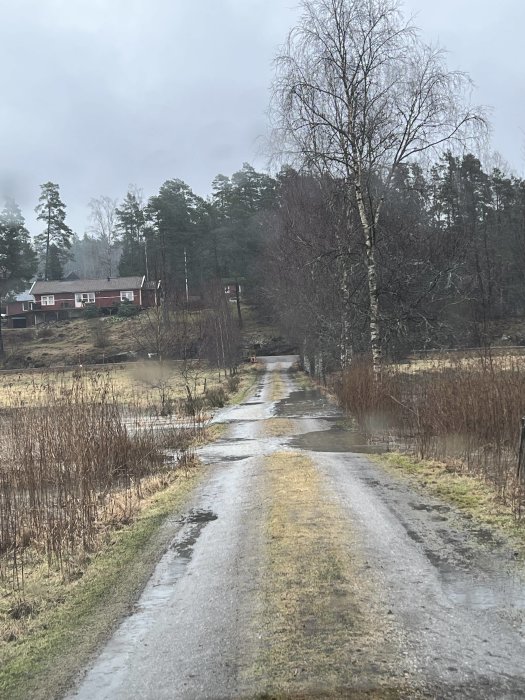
x=98, y=94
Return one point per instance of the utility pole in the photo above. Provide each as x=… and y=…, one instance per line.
x=186, y=276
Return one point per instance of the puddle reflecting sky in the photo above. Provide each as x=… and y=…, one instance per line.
x=336, y=439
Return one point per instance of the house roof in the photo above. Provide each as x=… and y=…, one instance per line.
x=104, y=284
x=24, y=296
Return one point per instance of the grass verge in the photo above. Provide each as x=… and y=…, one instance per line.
x=60, y=640
x=470, y=494
x=322, y=633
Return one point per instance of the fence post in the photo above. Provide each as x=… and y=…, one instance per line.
x=521, y=454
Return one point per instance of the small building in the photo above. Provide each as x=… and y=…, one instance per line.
x=62, y=299
x=232, y=289
x=19, y=313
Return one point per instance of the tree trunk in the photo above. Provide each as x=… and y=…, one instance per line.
x=373, y=288
x=345, y=343
x=373, y=291
x=48, y=239
x=238, y=300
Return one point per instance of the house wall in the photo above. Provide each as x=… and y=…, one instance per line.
x=103, y=299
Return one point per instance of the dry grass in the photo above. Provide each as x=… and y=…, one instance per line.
x=68, y=342
x=277, y=427
x=320, y=629
x=139, y=383
x=277, y=388
x=41, y=653
x=74, y=465
x=465, y=413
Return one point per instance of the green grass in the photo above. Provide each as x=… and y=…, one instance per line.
x=470, y=494
x=42, y=664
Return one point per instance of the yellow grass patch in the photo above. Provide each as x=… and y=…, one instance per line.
x=321, y=633
x=277, y=388
x=277, y=427
x=139, y=383
x=469, y=493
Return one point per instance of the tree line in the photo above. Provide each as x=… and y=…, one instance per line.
x=382, y=231
x=449, y=251
x=175, y=235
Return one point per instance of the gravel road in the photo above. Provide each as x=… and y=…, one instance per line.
x=429, y=604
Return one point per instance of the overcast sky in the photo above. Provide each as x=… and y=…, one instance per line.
x=97, y=94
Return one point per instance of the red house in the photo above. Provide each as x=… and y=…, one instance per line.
x=61, y=299
x=19, y=314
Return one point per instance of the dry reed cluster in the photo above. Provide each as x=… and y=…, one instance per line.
x=464, y=413
x=74, y=465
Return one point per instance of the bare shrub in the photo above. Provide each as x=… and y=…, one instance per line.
x=73, y=464
x=465, y=412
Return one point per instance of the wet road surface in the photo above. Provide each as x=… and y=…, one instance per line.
x=428, y=604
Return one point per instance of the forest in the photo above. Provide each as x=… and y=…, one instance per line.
x=450, y=253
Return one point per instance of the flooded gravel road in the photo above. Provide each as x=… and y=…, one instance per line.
x=302, y=569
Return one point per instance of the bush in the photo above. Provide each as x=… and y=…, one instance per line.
x=216, y=398
x=90, y=311
x=233, y=383
x=99, y=333
x=127, y=309
x=44, y=332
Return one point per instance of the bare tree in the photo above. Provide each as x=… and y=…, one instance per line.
x=357, y=94
x=103, y=218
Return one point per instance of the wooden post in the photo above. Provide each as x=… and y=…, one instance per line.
x=521, y=454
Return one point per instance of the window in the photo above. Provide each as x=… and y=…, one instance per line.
x=126, y=296
x=26, y=306
x=47, y=300
x=84, y=298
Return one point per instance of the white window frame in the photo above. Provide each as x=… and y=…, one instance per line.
x=47, y=300
x=127, y=296
x=82, y=298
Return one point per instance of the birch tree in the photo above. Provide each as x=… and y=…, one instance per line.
x=357, y=94
x=103, y=217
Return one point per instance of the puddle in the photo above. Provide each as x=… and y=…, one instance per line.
x=439, y=508
x=200, y=516
x=498, y=592
x=234, y=458
x=306, y=402
x=336, y=439
x=196, y=520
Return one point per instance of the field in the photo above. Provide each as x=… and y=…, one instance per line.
x=69, y=342
x=142, y=384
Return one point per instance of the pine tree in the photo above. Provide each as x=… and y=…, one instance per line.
x=130, y=225
x=17, y=257
x=52, y=211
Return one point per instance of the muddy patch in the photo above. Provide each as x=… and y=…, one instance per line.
x=306, y=402
x=337, y=439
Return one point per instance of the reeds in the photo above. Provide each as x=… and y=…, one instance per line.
x=74, y=464
x=466, y=413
